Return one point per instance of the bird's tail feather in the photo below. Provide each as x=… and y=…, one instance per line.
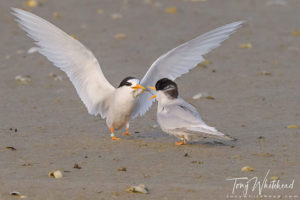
x=211, y=132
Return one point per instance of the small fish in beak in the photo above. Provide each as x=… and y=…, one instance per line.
x=138, y=86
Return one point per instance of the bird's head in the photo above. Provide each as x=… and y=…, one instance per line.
x=165, y=88
x=132, y=85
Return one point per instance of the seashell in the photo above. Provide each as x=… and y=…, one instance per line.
x=123, y=169
x=17, y=194
x=246, y=46
x=292, y=126
x=199, y=95
x=120, y=36
x=171, y=10
x=23, y=80
x=247, y=169
x=32, y=3
x=116, y=16
x=33, y=50
x=274, y=178
x=202, y=96
x=55, y=174
x=138, y=189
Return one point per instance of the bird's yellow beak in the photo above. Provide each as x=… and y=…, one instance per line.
x=152, y=88
x=154, y=96
x=138, y=86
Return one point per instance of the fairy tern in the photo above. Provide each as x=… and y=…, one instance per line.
x=179, y=118
x=128, y=101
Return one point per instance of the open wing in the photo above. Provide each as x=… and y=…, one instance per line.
x=180, y=60
x=72, y=57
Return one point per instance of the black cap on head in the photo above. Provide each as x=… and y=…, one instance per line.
x=168, y=86
x=125, y=81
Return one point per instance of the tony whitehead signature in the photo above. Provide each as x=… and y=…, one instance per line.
x=246, y=184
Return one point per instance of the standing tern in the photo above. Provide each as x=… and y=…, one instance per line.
x=179, y=118
x=117, y=105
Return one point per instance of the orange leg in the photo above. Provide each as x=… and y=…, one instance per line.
x=112, y=134
x=127, y=129
x=182, y=142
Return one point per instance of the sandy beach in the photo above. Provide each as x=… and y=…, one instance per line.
x=253, y=77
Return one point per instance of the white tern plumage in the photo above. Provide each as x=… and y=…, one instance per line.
x=179, y=118
x=117, y=105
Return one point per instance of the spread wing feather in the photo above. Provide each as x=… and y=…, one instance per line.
x=72, y=57
x=180, y=60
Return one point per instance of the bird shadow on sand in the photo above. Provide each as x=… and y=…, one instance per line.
x=165, y=138
x=214, y=143
x=152, y=135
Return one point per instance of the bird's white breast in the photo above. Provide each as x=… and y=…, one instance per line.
x=122, y=103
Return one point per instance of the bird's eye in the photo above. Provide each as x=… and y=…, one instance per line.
x=128, y=84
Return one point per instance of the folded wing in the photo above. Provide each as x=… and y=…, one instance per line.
x=180, y=60
x=72, y=57
x=183, y=116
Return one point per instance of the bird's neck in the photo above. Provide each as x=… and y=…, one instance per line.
x=164, y=99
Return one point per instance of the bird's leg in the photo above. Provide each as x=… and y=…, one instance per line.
x=127, y=129
x=112, y=135
x=182, y=141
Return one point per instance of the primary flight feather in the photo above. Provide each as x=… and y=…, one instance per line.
x=181, y=60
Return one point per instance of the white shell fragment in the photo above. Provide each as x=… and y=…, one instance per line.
x=55, y=174
x=199, y=96
x=32, y=50
x=138, y=189
x=202, y=96
x=23, y=80
x=17, y=194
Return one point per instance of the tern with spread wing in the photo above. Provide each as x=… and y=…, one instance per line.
x=117, y=105
x=179, y=118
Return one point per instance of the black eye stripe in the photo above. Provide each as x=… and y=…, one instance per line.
x=169, y=87
x=125, y=82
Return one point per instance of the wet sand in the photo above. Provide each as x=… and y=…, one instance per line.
x=256, y=93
